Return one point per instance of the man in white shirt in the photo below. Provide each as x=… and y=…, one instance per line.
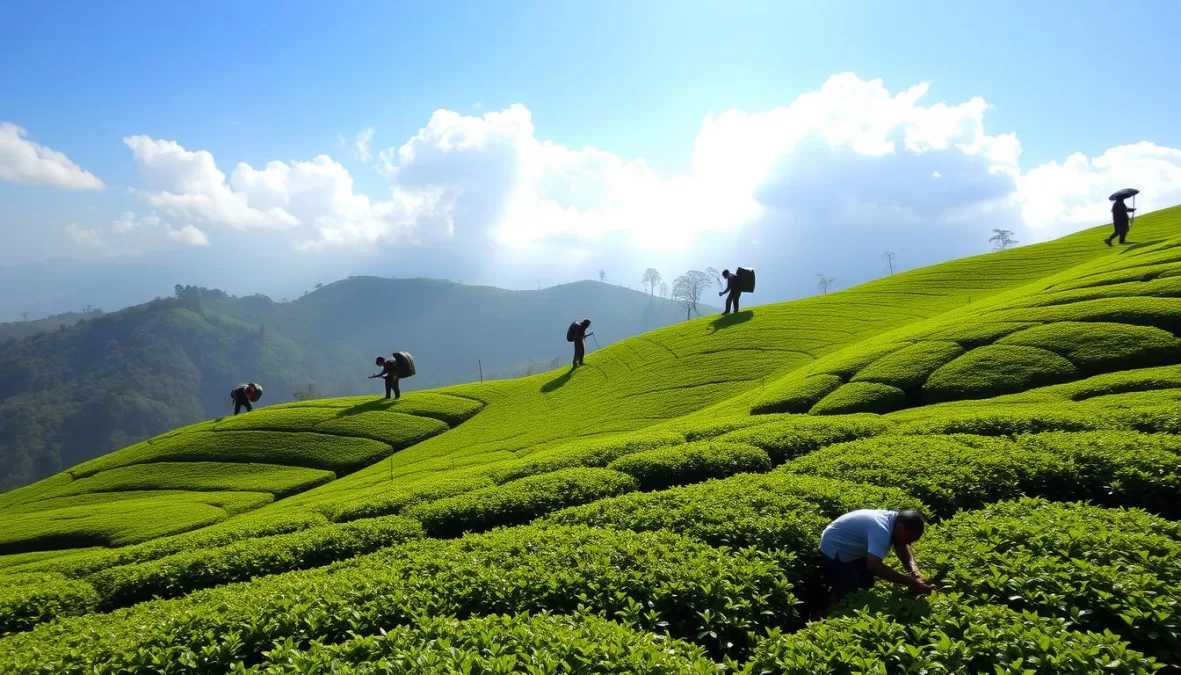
x=853, y=547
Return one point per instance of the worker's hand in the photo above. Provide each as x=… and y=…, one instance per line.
x=920, y=587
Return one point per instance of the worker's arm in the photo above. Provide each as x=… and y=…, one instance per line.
x=881, y=569
x=908, y=563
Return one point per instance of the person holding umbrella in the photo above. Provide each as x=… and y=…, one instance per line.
x=1119, y=214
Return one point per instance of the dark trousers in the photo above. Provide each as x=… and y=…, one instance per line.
x=240, y=401
x=391, y=384
x=732, y=302
x=579, y=351
x=1121, y=231
x=845, y=577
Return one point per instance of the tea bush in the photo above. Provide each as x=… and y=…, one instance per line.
x=993, y=370
x=595, y=453
x=996, y=419
x=396, y=429
x=519, y=501
x=945, y=635
x=655, y=581
x=220, y=534
x=314, y=451
x=796, y=395
x=29, y=599
x=181, y=573
x=691, y=463
x=1099, y=347
x=246, y=477
x=846, y=362
x=777, y=512
x=796, y=436
x=1163, y=313
x=116, y=524
x=909, y=367
x=275, y=419
x=964, y=472
x=388, y=500
x=449, y=408
x=500, y=644
x=232, y=503
x=1098, y=569
x=1119, y=468
x=973, y=334
x=863, y=397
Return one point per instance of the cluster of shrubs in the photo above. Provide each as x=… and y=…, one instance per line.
x=519, y=501
x=392, y=499
x=182, y=573
x=691, y=463
x=953, y=473
x=796, y=436
x=1097, y=569
x=654, y=581
x=210, y=537
x=597, y=453
x=29, y=599
x=522, y=643
x=945, y=635
x=780, y=513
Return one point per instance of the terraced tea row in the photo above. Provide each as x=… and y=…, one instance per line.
x=206, y=473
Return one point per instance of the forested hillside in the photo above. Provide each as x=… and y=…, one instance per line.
x=77, y=391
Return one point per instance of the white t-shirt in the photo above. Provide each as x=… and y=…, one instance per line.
x=859, y=533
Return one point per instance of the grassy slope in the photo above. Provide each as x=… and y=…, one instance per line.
x=509, y=451
x=102, y=382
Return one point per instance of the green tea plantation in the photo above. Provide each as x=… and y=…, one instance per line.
x=659, y=510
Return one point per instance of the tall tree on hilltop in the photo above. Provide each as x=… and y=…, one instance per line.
x=687, y=289
x=650, y=279
x=825, y=282
x=1002, y=239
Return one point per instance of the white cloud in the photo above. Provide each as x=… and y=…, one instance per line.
x=23, y=161
x=189, y=183
x=86, y=238
x=463, y=174
x=189, y=236
x=124, y=224
x=1060, y=196
x=363, y=144
x=318, y=194
x=129, y=221
x=843, y=158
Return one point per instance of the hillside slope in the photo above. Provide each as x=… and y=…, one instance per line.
x=675, y=487
x=102, y=383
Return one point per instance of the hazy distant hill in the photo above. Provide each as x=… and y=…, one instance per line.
x=20, y=329
x=85, y=388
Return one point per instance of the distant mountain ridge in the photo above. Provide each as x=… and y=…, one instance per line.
x=87, y=386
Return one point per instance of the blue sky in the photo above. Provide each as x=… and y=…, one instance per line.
x=268, y=81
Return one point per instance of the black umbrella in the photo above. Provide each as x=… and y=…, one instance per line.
x=1124, y=194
